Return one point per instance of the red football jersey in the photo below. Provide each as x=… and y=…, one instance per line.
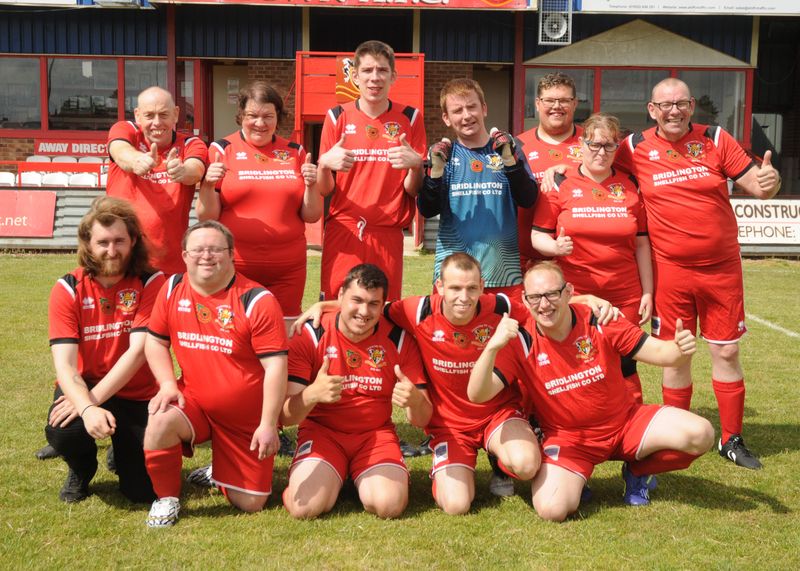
x=603, y=221
x=541, y=156
x=161, y=206
x=372, y=189
x=449, y=353
x=219, y=340
x=367, y=366
x=100, y=320
x=261, y=196
x=575, y=384
x=685, y=191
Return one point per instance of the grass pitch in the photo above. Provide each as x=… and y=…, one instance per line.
x=712, y=515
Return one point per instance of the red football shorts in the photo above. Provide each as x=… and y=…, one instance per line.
x=458, y=448
x=348, y=454
x=233, y=464
x=349, y=243
x=285, y=278
x=712, y=294
x=578, y=453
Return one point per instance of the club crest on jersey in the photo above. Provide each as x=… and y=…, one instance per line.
x=261, y=158
x=224, y=317
x=391, y=130
x=598, y=194
x=352, y=358
x=127, y=300
x=482, y=334
x=695, y=149
x=460, y=339
x=555, y=154
x=495, y=162
x=203, y=313
x=372, y=132
x=476, y=165
x=616, y=192
x=377, y=356
x=673, y=155
x=281, y=155
x=586, y=351
x=106, y=306
x=574, y=152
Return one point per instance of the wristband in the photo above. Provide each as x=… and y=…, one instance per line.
x=86, y=407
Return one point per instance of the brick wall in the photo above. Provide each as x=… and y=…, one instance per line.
x=279, y=74
x=436, y=75
x=15, y=149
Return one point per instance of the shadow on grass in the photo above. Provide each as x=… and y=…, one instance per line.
x=764, y=440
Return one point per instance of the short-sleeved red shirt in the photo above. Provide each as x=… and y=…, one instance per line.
x=261, y=196
x=685, y=192
x=603, y=220
x=219, y=340
x=575, y=384
x=161, y=206
x=372, y=189
x=99, y=320
x=449, y=353
x=367, y=366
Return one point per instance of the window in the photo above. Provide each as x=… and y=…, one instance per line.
x=720, y=98
x=185, y=78
x=624, y=93
x=82, y=93
x=20, y=94
x=584, y=84
x=139, y=75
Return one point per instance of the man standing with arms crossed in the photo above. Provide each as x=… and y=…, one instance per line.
x=229, y=340
x=682, y=169
x=156, y=169
x=556, y=140
x=98, y=316
x=371, y=161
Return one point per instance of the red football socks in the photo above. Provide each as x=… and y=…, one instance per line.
x=164, y=467
x=730, y=400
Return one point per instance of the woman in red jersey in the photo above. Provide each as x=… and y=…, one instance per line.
x=594, y=223
x=262, y=187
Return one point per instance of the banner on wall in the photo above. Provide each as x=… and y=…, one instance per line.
x=26, y=213
x=73, y=148
x=677, y=7
x=767, y=221
x=456, y=4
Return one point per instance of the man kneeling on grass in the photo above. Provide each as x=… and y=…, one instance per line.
x=230, y=342
x=570, y=367
x=344, y=376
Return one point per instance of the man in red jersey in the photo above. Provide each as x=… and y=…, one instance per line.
x=682, y=169
x=556, y=140
x=571, y=366
x=371, y=161
x=344, y=376
x=98, y=314
x=452, y=328
x=228, y=337
x=156, y=170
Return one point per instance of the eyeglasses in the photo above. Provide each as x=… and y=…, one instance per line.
x=607, y=147
x=682, y=105
x=536, y=298
x=213, y=251
x=550, y=102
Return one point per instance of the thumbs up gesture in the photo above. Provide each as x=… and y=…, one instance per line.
x=326, y=388
x=405, y=393
x=338, y=158
x=506, y=331
x=403, y=156
x=684, y=339
x=308, y=170
x=563, y=243
x=216, y=170
x=175, y=167
x=439, y=154
x=769, y=181
x=145, y=162
x=503, y=144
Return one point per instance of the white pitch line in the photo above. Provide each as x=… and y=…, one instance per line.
x=787, y=332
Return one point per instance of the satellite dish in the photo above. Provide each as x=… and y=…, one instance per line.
x=555, y=26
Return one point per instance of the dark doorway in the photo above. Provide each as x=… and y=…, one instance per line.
x=342, y=29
